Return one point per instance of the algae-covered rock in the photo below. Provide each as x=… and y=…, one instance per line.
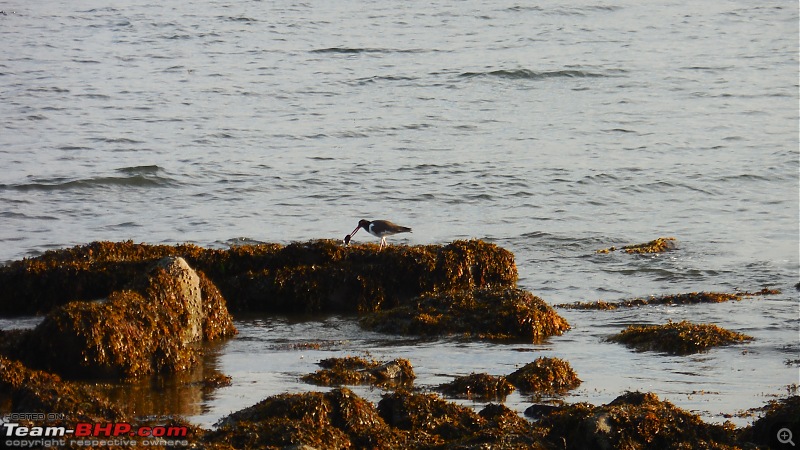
x=354, y=370
x=37, y=285
x=314, y=276
x=341, y=419
x=671, y=299
x=146, y=329
x=432, y=422
x=479, y=386
x=679, y=338
x=337, y=419
x=322, y=276
x=659, y=245
x=636, y=421
x=33, y=391
x=504, y=313
x=545, y=375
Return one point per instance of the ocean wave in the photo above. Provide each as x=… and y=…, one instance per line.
x=131, y=177
x=358, y=50
x=527, y=74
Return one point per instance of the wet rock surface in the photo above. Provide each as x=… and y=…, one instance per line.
x=678, y=338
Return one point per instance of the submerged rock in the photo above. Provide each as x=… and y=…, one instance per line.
x=504, y=313
x=634, y=420
x=671, y=299
x=354, y=370
x=659, y=245
x=545, y=375
x=479, y=386
x=148, y=328
x=678, y=338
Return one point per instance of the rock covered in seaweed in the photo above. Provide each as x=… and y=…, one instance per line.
x=431, y=422
x=341, y=419
x=323, y=276
x=314, y=276
x=658, y=245
x=337, y=419
x=142, y=330
x=545, y=375
x=354, y=370
x=678, y=338
x=504, y=313
x=670, y=299
x=634, y=420
x=33, y=392
x=477, y=386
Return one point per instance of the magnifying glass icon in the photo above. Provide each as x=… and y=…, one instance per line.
x=785, y=436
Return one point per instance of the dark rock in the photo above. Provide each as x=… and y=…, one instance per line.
x=538, y=411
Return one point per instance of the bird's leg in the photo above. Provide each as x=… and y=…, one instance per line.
x=383, y=242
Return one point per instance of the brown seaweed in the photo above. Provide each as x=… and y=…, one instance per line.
x=498, y=314
x=545, y=375
x=678, y=338
x=671, y=299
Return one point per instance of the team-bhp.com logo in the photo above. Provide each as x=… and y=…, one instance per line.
x=93, y=434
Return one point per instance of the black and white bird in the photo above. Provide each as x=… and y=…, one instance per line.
x=378, y=228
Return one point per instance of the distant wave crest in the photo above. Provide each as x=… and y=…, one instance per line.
x=534, y=75
x=130, y=177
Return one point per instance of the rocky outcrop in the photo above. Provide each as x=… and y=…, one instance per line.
x=145, y=329
x=634, y=420
x=314, y=276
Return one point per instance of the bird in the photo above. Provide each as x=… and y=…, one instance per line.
x=378, y=228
